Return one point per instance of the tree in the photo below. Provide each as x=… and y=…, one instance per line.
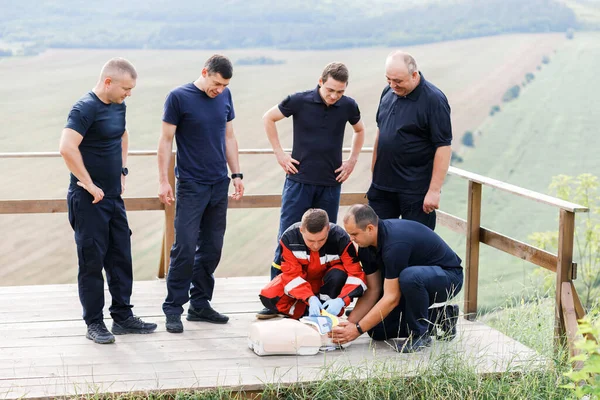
x=529, y=77
x=570, y=33
x=511, y=93
x=468, y=140
x=584, y=190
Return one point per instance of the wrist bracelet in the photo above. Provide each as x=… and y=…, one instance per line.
x=359, y=329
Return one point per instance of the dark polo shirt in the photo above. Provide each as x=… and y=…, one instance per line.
x=411, y=128
x=402, y=243
x=318, y=135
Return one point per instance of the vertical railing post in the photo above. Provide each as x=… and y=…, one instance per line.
x=169, y=229
x=564, y=273
x=472, y=256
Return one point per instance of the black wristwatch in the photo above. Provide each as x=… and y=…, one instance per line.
x=124, y=171
x=359, y=329
x=238, y=175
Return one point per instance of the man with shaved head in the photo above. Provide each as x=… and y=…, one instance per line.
x=412, y=145
x=94, y=145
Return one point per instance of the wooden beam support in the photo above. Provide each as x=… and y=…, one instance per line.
x=169, y=229
x=519, y=249
x=570, y=319
x=566, y=233
x=472, y=259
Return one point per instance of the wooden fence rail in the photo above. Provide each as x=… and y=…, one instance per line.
x=567, y=305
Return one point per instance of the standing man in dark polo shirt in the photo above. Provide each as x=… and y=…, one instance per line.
x=408, y=268
x=412, y=148
x=199, y=115
x=314, y=170
x=94, y=145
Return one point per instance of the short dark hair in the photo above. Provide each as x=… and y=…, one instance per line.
x=363, y=216
x=315, y=220
x=337, y=71
x=219, y=64
x=118, y=66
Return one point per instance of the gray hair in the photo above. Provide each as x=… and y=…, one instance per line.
x=409, y=60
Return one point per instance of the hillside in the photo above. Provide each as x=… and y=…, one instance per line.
x=29, y=26
x=39, y=248
x=549, y=130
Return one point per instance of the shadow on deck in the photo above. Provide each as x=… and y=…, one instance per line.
x=44, y=352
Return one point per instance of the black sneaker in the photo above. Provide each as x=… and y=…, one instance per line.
x=446, y=330
x=266, y=313
x=207, y=315
x=99, y=334
x=174, y=324
x=411, y=345
x=132, y=324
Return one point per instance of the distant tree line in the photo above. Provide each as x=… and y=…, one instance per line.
x=311, y=24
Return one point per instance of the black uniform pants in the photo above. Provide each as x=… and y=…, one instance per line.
x=103, y=240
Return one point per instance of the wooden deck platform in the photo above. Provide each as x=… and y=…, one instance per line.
x=44, y=352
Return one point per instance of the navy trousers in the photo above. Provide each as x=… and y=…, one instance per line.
x=391, y=205
x=103, y=240
x=200, y=220
x=296, y=199
x=420, y=286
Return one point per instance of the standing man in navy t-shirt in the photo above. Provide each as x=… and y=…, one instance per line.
x=199, y=115
x=315, y=170
x=412, y=149
x=408, y=268
x=94, y=145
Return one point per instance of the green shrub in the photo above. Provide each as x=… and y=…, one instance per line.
x=586, y=381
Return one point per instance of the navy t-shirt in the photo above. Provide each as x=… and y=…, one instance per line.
x=102, y=126
x=318, y=134
x=402, y=243
x=411, y=128
x=200, y=134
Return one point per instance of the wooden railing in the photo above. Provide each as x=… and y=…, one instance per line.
x=568, y=307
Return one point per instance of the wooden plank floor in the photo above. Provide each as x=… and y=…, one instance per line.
x=44, y=352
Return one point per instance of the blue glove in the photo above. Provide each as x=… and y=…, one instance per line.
x=314, y=306
x=334, y=306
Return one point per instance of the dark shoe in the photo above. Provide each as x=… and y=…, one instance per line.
x=266, y=313
x=99, y=334
x=132, y=324
x=174, y=324
x=413, y=345
x=207, y=315
x=446, y=330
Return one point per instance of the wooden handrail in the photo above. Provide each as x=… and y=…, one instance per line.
x=519, y=191
x=567, y=304
x=470, y=176
x=56, y=154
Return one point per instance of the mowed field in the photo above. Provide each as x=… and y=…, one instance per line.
x=551, y=129
x=37, y=93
